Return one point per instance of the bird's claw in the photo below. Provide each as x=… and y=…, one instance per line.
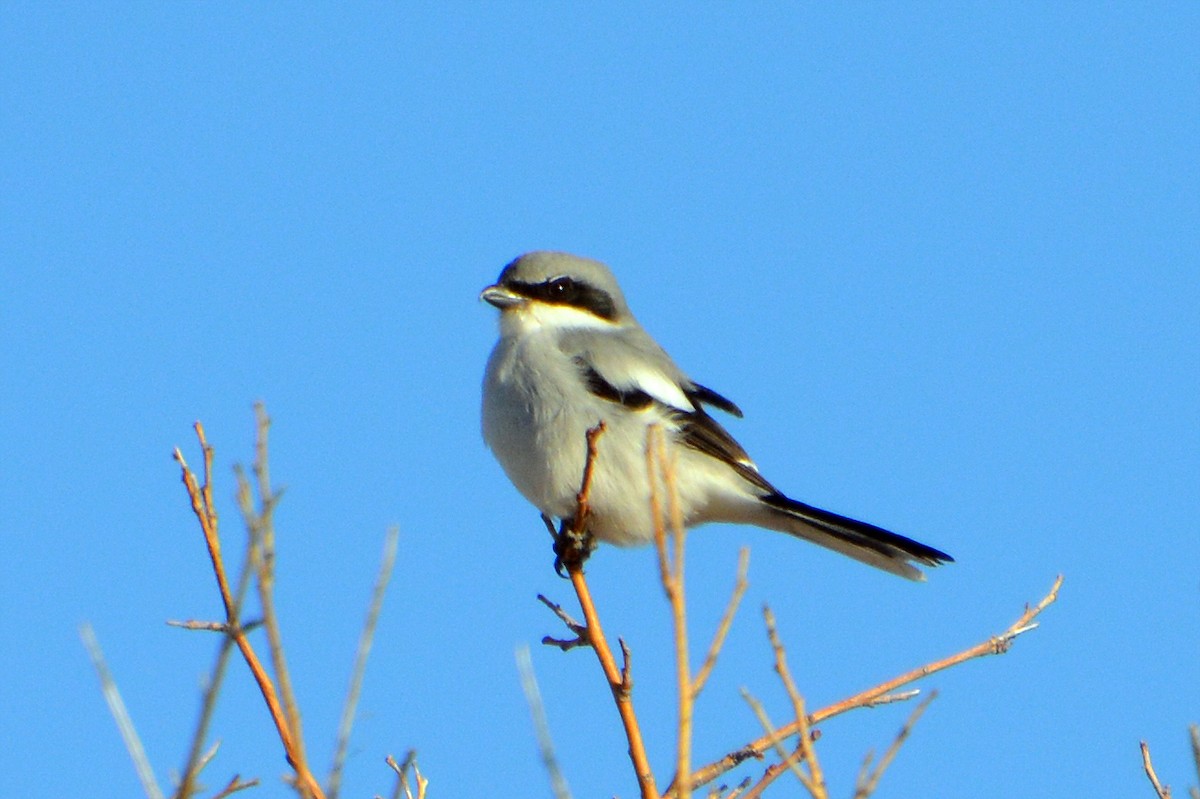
x=571, y=548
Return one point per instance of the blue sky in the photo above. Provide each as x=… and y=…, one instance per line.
x=946, y=258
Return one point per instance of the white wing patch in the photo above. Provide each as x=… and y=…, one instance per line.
x=657, y=385
x=630, y=365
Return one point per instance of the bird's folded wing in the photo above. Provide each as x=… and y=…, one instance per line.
x=637, y=380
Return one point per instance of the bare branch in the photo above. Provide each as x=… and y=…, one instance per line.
x=197, y=760
x=868, y=782
x=386, y=564
x=816, y=784
x=619, y=680
x=995, y=645
x=671, y=574
x=578, y=629
x=410, y=763
x=232, y=628
x=899, y=696
x=259, y=561
x=789, y=761
x=120, y=714
x=1194, y=734
x=236, y=784
x=1163, y=791
x=714, y=649
x=533, y=696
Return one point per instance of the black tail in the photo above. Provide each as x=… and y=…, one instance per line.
x=862, y=541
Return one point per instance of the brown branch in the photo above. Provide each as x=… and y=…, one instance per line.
x=402, y=769
x=236, y=784
x=1163, y=791
x=899, y=696
x=789, y=761
x=995, y=645
x=578, y=629
x=206, y=513
x=671, y=574
x=261, y=523
x=620, y=680
x=816, y=779
x=201, y=499
x=620, y=683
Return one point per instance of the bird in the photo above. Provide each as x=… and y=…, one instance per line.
x=571, y=355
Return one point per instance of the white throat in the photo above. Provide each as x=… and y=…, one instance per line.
x=530, y=317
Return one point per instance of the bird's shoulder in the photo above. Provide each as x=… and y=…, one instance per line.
x=630, y=369
x=627, y=361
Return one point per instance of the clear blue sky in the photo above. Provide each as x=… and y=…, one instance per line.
x=946, y=258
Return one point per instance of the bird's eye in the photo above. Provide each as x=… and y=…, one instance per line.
x=561, y=287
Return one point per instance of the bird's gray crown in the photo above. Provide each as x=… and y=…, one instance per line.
x=560, y=278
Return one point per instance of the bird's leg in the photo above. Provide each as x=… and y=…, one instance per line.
x=572, y=547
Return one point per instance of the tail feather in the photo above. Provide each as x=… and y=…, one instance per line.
x=864, y=542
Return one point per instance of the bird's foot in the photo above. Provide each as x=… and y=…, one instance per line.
x=571, y=548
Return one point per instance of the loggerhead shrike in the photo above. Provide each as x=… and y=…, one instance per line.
x=571, y=355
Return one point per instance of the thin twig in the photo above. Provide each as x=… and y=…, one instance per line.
x=386, y=564
x=202, y=506
x=402, y=769
x=717, y=790
x=1194, y=734
x=211, y=626
x=993, y=646
x=260, y=523
x=120, y=714
x=816, y=782
x=1163, y=791
x=671, y=565
x=575, y=627
x=788, y=760
x=400, y=786
x=899, y=696
x=236, y=784
x=868, y=782
x=537, y=709
x=201, y=498
x=714, y=649
x=196, y=760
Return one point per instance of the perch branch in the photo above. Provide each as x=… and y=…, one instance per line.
x=620, y=681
